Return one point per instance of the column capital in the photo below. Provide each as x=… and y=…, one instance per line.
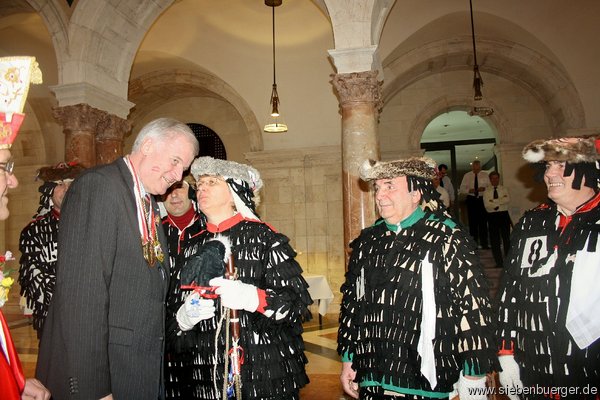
x=358, y=87
x=112, y=127
x=79, y=122
x=78, y=117
x=109, y=138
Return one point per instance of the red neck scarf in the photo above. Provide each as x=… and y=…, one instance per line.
x=183, y=220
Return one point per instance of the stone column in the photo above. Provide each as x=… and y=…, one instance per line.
x=359, y=94
x=109, y=138
x=79, y=125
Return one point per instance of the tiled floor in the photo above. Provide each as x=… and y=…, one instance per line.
x=324, y=364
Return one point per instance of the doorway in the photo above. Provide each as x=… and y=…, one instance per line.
x=455, y=138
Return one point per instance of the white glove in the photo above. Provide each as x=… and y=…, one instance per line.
x=453, y=395
x=510, y=376
x=235, y=294
x=471, y=389
x=194, y=310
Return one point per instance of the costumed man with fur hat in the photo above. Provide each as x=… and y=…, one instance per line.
x=268, y=292
x=549, y=328
x=415, y=319
x=15, y=75
x=38, y=243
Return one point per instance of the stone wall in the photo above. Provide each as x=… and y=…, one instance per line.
x=302, y=198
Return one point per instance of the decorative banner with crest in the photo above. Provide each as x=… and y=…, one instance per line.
x=16, y=73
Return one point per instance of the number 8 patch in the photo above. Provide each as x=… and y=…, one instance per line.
x=535, y=249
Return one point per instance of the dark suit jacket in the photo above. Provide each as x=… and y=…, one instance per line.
x=105, y=327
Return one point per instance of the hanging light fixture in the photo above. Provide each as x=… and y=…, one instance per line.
x=477, y=81
x=275, y=123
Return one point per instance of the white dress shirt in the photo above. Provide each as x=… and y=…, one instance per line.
x=499, y=204
x=468, y=182
x=448, y=186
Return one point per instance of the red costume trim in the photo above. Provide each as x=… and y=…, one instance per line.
x=506, y=351
x=12, y=380
x=262, y=300
x=227, y=224
x=564, y=220
x=56, y=213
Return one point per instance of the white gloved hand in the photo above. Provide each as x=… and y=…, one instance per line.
x=471, y=389
x=194, y=310
x=510, y=376
x=235, y=294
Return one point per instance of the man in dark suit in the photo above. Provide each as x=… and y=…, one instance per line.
x=104, y=334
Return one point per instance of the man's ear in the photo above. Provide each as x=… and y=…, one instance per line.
x=147, y=146
x=416, y=196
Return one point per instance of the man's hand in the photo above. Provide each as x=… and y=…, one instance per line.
x=34, y=390
x=235, y=294
x=347, y=377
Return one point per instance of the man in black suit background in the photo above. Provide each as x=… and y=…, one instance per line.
x=104, y=334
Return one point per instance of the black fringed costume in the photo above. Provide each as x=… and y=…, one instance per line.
x=379, y=330
x=39, y=253
x=535, y=297
x=274, y=360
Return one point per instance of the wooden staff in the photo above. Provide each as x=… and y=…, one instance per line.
x=236, y=353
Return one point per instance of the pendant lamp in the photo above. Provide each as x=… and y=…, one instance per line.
x=275, y=122
x=480, y=111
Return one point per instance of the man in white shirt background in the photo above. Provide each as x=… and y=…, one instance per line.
x=496, y=200
x=473, y=185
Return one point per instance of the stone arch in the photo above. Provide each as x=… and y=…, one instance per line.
x=154, y=88
x=95, y=58
x=525, y=67
x=356, y=27
x=55, y=15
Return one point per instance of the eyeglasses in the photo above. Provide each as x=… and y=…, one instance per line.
x=208, y=182
x=8, y=166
